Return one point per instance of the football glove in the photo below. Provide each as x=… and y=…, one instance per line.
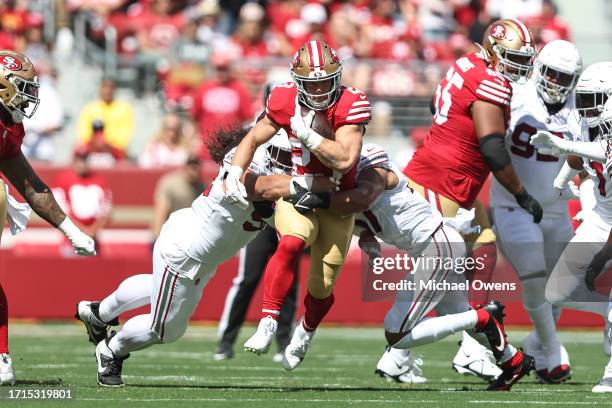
x=83, y=245
x=529, y=204
x=235, y=191
x=304, y=200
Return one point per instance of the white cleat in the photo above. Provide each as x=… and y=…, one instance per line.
x=296, y=350
x=260, y=342
x=605, y=384
x=7, y=375
x=473, y=358
x=400, y=366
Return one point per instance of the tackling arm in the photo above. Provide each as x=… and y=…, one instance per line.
x=370, y=185
x=273, y=187
x=258, y=135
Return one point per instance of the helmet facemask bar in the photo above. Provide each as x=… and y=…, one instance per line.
x=25, y=101
x=279, y=160
x=318, y=101
x=551, y=91
x=508, y=66
x=589, y=105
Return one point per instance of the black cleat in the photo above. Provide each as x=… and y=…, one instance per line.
x=512, y=375
x=109, y=366
x=87, y=312
x=494, y=328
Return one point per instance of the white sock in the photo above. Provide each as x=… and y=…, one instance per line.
x=399, y=355
x=436, y=328
x=132, y=293
x=544, y=325
x=135, y=334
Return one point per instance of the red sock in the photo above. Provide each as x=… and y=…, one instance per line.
x=280, y=274
x=515, y=360
x=487, y=254
x=316, y=309
x=3, y=322
x=483, y=318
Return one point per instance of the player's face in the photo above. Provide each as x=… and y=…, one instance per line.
x=588, y=103
x=318, y=90
x=559, y=78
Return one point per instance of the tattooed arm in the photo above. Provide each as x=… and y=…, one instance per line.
x=23, y=177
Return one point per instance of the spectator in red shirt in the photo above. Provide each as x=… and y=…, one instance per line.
x=223, y=101
x=84, y=196
x=548, y=26
x=100, y=153
x=250, y=36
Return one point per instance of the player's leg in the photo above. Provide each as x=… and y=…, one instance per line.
x=482, y=246
x=523, y=244
x=173, y=300
x=98, y=317
x=565, y=286
x=252, y=262
x=327, y=256
x=296, y=232
x=7, y=375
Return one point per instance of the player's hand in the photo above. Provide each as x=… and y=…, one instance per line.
x=529, y=204
x=594, y=269
x=82, y=243
x=549, y=144
x=570, y=191
x=304, y=200
x=370, y=246
x=235, y=191
x=301, y=127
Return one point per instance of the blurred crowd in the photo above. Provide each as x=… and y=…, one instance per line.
x=209, y=59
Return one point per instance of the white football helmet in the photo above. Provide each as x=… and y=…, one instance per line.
x=592, y=91
x=558, y=67
x=605, y=122
x=279, y=153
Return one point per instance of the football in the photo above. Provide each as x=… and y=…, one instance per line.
x=320, y=123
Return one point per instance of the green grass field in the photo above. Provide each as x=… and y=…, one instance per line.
x=338, y=371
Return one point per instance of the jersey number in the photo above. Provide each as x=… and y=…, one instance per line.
x=601, y=186
x=443, y=95
x=521, y=147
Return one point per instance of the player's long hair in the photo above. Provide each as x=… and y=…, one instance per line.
x=224, y=140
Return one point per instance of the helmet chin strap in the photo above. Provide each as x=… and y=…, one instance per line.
x=17, y=116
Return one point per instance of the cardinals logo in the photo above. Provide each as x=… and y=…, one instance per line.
x=10, y=63
x=498, y=31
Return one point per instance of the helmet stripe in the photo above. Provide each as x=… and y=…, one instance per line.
x=524, y=30
x=314, y=55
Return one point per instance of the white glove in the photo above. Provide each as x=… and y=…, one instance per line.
x=300, y=127
x=580, y=215
x=569, y=191
x=235, y=192
x=549, y=144
x=82, y=243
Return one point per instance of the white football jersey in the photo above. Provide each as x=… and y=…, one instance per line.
x=602, y=185
x=212, y=230
x=399, y=217
x=535, y=170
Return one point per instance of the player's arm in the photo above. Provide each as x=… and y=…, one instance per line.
x=341, y=154
x=273, y=187
x=597, y=264
x=547, y=143
x=40, y=198
x=489, y=125
x=370, y=185
x=260, y=133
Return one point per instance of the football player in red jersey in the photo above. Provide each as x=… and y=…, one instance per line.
x=316, y=72
x=19, y=99
x=466, y=139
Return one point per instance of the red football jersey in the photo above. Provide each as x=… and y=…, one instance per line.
x=351, y=108
x=10, y=140
x=450, y=162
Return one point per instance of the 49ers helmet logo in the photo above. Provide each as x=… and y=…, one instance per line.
x=498, y=31
x=10, y=63
x=296, y=60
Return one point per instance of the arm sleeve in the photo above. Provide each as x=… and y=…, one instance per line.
x=353, y=109
x=590, y=150
x=281, y=105
x=489, y=87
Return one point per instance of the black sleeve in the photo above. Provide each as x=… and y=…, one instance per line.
x=494, y=151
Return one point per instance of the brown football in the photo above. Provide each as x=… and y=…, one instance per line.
x=320, y=124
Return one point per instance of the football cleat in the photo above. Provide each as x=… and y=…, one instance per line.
x=224, y=352
x=473, y=358
x=259, y=343
x=87, y=313
x=604, y=385
x=297, y=347
x=512, y=374
x=109, y=366
x=400, y=366
x=533, y=347
x=494, y=328
x=7, y=375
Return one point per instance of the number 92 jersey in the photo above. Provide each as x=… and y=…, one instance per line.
x=536, y=171
x=450, y=162
x=352, y=107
